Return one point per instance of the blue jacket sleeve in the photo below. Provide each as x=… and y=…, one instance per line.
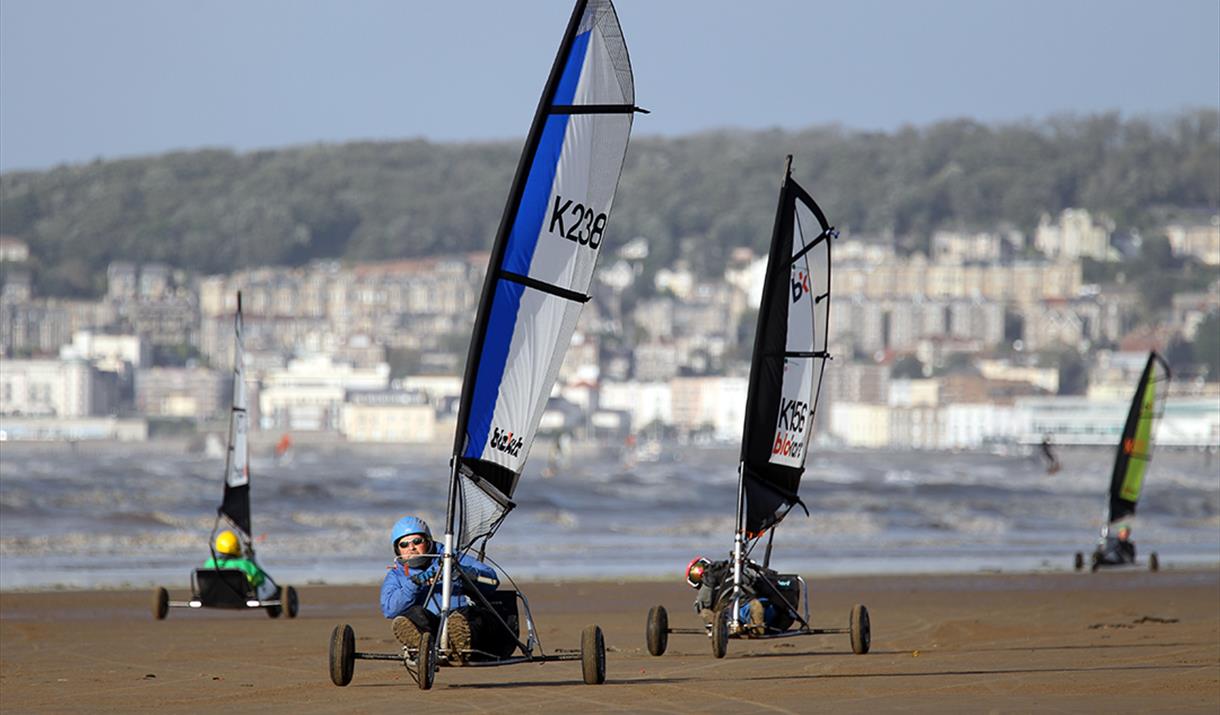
x=399, y=593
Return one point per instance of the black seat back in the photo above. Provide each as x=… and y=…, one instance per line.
x=497, y=640
x=789, y=588
x=222, y=588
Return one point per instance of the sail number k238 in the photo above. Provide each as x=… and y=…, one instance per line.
x=578, y=223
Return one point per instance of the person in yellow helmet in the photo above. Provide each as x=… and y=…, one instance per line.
x=229, y=555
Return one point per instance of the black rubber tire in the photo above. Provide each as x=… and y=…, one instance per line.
x=342, y=655
x=1079, y=563
x=160, y=603
x=291, y=603
x=657, y=633
x=425, y=662
x=593, y=655
x=274, y=611
x=720, y=631
x=1154, y=563
x=861, y=630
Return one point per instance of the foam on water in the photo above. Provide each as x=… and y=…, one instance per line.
x=111, y=515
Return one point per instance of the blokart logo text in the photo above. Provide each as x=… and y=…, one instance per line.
x=800, y=285
x=577, y=223
x=506, y=443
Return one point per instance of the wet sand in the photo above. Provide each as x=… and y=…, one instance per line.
x=1114, y=642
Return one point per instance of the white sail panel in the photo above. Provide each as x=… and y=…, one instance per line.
x=573, y=229
x=594, y=145
x=808, y=284
x=540, y=339
x=238, y=473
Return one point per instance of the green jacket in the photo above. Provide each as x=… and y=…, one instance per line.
x=253, y=572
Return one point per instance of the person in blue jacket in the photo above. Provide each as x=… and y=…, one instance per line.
x=416, y=572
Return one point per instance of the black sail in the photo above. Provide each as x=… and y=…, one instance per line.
x=1139, y=432
x=790, y=353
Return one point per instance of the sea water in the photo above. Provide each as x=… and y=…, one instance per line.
x=134, y=515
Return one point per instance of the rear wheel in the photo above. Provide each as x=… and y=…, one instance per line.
x=291, y=605
x=425, y=662
x=1079, y=564
x=342, y=654
x=160, y=603
x=1154, y=564
x=658, y=630
x=861, y=630
x=593, y=655
x=720, y=631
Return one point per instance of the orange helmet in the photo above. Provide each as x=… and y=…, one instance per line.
x=695, y=570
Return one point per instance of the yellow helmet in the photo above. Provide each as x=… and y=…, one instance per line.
x=227, y=543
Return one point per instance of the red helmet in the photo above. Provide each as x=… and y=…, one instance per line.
x=695, y=570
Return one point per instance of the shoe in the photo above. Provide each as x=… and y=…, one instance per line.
x=406, y=631
x=459, y=638
x=758, y=623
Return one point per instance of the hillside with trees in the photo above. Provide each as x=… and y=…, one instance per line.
x=693, y=197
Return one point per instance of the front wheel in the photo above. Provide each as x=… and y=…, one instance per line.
x=425, y=662
x=861, y=630
x=593, y=655
x=160, y=606
x=658, y=630
x=720, y=631
x=1154, y=564
x=291, y=604
x=1079, y=563
x=342, y=654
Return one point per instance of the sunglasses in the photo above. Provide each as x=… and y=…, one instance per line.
x=413, y=541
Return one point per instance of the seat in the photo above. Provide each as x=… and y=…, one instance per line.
x=499, y=642
x=222, y=588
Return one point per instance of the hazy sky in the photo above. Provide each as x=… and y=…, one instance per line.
x=81, y=79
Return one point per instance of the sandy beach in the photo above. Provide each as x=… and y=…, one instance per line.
x=1114, y=642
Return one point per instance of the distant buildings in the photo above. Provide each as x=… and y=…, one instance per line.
x=1075, y=234
x=323, y=342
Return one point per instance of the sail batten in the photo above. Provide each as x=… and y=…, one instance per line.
x=789, y=358
x=544, y=255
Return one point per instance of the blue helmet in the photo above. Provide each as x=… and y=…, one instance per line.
x=406, y=526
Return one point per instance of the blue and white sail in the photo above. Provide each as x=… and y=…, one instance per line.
x=236, y=503
x=552, y=231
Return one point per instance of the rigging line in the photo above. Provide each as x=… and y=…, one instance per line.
x=597, y=109
x=545, y=287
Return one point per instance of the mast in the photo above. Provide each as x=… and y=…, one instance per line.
x=785, y=372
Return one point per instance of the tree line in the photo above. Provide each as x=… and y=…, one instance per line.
x=692, y=197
